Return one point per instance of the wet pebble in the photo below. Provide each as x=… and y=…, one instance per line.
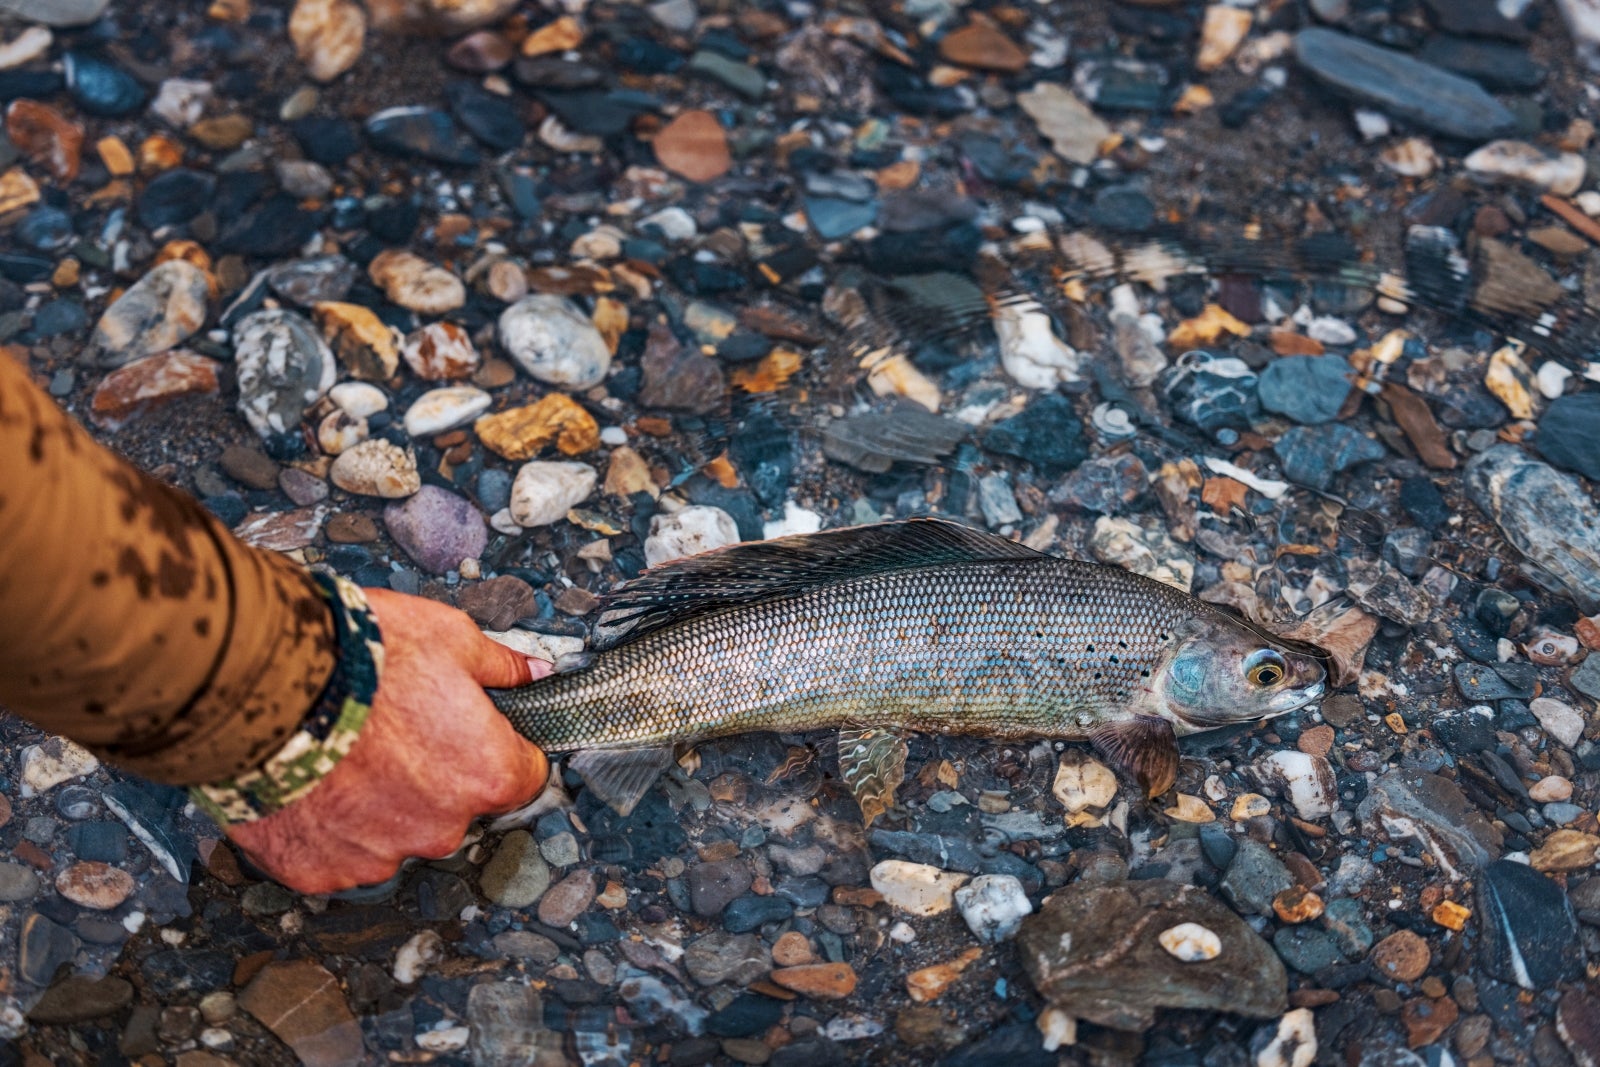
x=516, y=875
x=283, y=367
x=544, y=492
x=550, y=339
x=376, y=468
x=438, y=529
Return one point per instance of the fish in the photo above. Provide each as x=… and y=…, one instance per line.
x=914, y=626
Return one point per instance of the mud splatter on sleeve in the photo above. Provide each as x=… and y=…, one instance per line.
x=131, y=620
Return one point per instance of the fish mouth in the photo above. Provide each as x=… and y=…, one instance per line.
x=1296, y=699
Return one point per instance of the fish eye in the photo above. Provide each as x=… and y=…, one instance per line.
x=1265, y=668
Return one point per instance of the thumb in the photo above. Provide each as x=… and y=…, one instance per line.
x=495, y=666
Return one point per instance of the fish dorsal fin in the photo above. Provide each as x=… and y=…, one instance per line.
x=788, y=566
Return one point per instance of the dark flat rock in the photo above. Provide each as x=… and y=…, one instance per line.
x=1402, y=86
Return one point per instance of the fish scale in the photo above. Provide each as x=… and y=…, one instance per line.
x=1006, y=648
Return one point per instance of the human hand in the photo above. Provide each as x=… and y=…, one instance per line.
x=434, y=754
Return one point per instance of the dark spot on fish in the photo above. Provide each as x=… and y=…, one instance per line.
x=1089, y=649
x=1144, y=673
x=202, y=627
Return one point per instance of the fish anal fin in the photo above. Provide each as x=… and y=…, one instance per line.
x=872, y=764
x=789, y=566
x=1145, y=747
x=621, y=777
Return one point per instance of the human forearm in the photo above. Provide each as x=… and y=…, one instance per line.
x=130, y=620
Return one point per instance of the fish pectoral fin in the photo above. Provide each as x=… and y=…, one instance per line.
x=1145, y=747
x=872, y=764
x=568, y=662
x=620, y=777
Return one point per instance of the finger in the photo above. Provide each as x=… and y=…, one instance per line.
x=523, y=777
x=495, y=666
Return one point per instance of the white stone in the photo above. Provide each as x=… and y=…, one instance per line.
x=415, y=284
x=304, y=178
x=1190, y=942
x=993, y=906
x=544, y=492
x=1083, y=783
x=796, y=520
x=359, y=398
x=1033, y=355
x=55, y=12
x=1371, y=124
x=554, y=342
x=916, y=887
x=688, y=533
x=1306, y=780
x=1552, y=379
x=283, y=366
x=1073, y=130
x=1152, y=553
x=1557, y=172
x=439, y=410
x=1588, y=202
x=1561, y=721
x=602, y=242
x=25, y=47
x=1413, y=157
x=440, y=351
x=1056, y=1028
x=450, y=1039
x=339, y=431
x=181, y=101
x=57, y=760
x=1331, y=331
x=377, y=468
x=1295, y=1043
x=902, y=932
x=674, y=223
x=417, y=956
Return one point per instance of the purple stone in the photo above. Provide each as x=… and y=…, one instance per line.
x=437, y=528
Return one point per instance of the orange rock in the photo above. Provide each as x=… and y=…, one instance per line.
x=982, y=46
x=1588, y=631
x=722, y=472
x=628, y=473
x=46, y=137
x=1402, y=956
x=158, y=152
x=1224, y=494
x=522, y=433
x=1427, y=1018
x=359, y=338
x=770, y=374
x=147, y=383
x=189, y=252
x=611, y=319
x=17, y=190
x=96, y=885
x=562, y=35
x=1450, y=915
x=1316, y=741
x=328, y=36
x=223, y=133
x=1289, y=343
x=791, y=950
x=901, y=175
x=857, y=896
x=1212, y=322
x=820, y=981
x=1297, y=905
x=694, y=146
x=930, y=982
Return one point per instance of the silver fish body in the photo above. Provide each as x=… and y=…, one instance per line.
x=918, y=626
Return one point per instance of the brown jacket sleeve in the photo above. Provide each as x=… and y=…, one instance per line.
x=131, y=620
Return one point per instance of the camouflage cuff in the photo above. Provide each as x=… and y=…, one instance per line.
x=327, y=732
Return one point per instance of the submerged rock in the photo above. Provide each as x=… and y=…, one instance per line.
x=1546, y=515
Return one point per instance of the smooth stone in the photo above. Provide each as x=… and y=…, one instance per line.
x=563, y=902
x=1530, y=934
x=416, y=284
x=313, y=281
x=1254, y=877
x=1306, y=949
x=81, y=998
x=516, y=876
x=439, y=410
x=1402, y=86
x=156, y=313
x=283, y=367
x=713, y=886
x=506, y=1020
x=751, y=912
x=377, y=468
x=677, y=377
x=993, y=907
x=1047, y=434
x=43, y=948
x=56, y=12
x=554, y=342
x=688, y=532
x=1435, y=813
x=1313, y=455
x=100, y=88
x=17, y=883
x=1308, y=389
x=437, y=529
x=440, y=351
x=717, y=957
x=1073, y=951
x=1545, y=515
x=305, y=1007
x=544, y=492
x=422, y=133
x=1492, y=64
x=492, y=119
x=1569, y=434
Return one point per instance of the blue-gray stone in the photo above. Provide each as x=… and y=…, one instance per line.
x=1344, y=920
x=1312, y=455
x=422, y=133
x=746, y=1014
x=1212, y=394
x=1481, y=683
x=45, y=229
x=59, y=317
x=1046, y=433
x=44, y=947
x=100, y=88
x=834, y=218
x=1308, y=389
x=174, y=196
x=1401, y=86
x=174, y=970
x=742, y=78
x=1530, y=934
x=750, y=912
x=1254, y=877
x=151, y=812
x=1306, y=948
x=100, y=840
x=1569, y=434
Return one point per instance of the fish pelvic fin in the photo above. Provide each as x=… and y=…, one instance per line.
x=621, y=777
x=1145, y=747
x=789, y=566
x=872, y=764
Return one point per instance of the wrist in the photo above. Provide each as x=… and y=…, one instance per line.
x=328, y=730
